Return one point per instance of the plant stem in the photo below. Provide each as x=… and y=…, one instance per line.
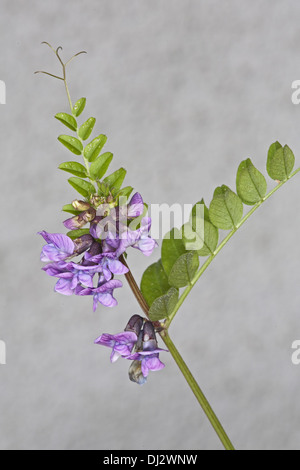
x=135, y=288
x=68, y=93
x=197, y=391
x=219, y=248
x=181, y=364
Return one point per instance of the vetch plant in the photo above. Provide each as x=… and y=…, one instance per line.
x=106, y=222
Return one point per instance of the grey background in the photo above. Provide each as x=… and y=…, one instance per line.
x=184, y=90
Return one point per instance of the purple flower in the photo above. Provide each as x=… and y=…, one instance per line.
x=108, y=238
x=58, y=248
x=137, y=343
x=71, y=275
x=146, y=356
x=138, y=239
x=149, y=360
x=144, y=242
x=134, y=208
x=109, y=263
x=102, y=294
x=111, y=221
x=121, y=344
x=106, y=221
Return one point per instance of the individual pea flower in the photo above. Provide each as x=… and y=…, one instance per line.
x=58, y=248
x=133, y=209
x=146, y=355
x=137, y=343
x=71, y=275
x=103, y=293
x=139, y=239
x=109, y=263
x=122, y=343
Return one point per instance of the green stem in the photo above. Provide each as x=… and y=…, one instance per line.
x=197, y=392
x=86, y=163
x=68, y=93
x=219, y=248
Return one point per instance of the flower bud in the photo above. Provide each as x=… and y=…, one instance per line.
x=83, y=243
x=135, y=324
x=78, y=221
x=74, y=223
x=97, y=200
x=135, y=373
x=89, y=214
x=80, y=205
x=149, y=337
x=94, y=250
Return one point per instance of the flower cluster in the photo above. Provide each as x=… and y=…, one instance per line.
x=137, y=343
x=114, y=227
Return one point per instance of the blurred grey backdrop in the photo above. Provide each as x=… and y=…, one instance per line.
x=184, y=90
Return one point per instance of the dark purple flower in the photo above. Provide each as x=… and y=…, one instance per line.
x=83, y=243
x=58, y=248
x=147, y=353
x=121, y=344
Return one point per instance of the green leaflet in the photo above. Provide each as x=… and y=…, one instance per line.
x=67, y=120
x=69, y=208
x=226, y=208
x=164, y=305
x=78, y=233
x=206, y=240
x=199, y=212
x=99, y=166
x=191, y=240
x=103, y=189
x=199, y=233
x=75, y=168
x=93, y=148
x=251, y=185
x=184, y=270
x=86, y=128
x=79, y=107
x=280, y=162
x=154, y=282
x=73, y=144
x=172, y=247
x=124, y=192
x=85, y=188
x=116, y=179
